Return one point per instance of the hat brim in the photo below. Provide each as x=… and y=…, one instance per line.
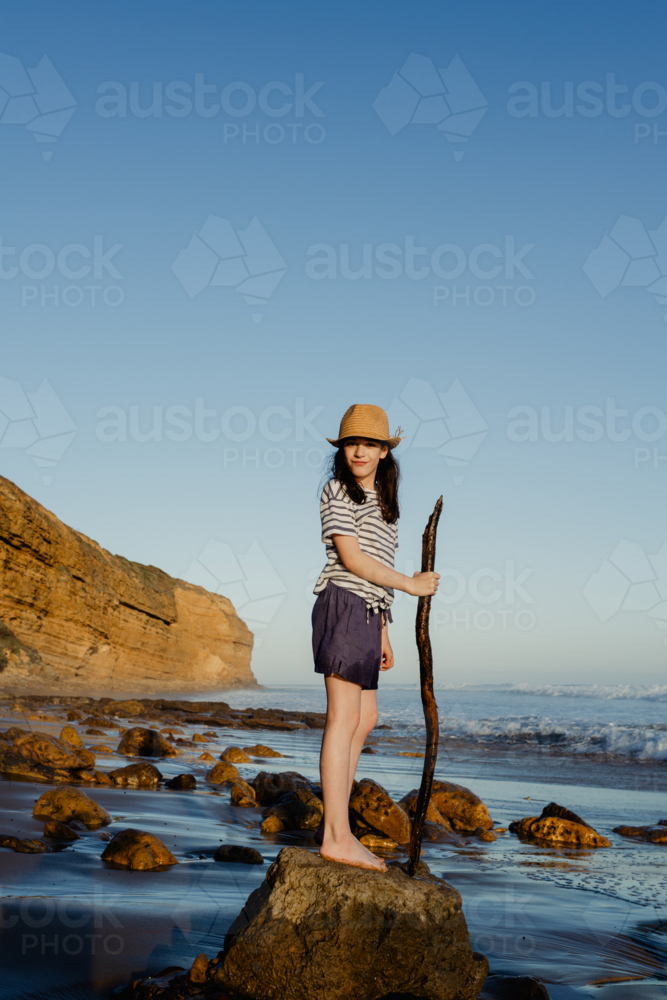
x=392, y=442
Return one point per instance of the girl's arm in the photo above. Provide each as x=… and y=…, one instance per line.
x=368, y=568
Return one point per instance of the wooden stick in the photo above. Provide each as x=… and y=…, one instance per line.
x=428, y=698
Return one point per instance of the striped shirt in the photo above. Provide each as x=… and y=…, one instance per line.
x=341, y=516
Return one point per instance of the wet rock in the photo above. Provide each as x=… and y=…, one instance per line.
x=124, y=708
x=100, y=748
x=14, y=732
x=514, y=988
x=376, y=807
x=243, y=795
x=138, y=850
x=59, y=831
x=434, y=833
x=271, y=786
x=32, y=846
x=294, y=811
x=206, y=756
x=560, y=812
x=199, y=738
x=140, y=742
x=486, y=835
x=376, y=843
x=92, y=732
x=136, y=776
x=259, y=750
x=651, y=834
x=44, y=758
x=368, y=750
x=409, y=753
x=182, y=783
x=433, y=814
x=65, y=804
x=199, y=969
x=235, y=755
x=102, y=779
x=87, y=776
x=24, y=846
x=236, y=854
x=70, y=735
x=73, y=715
x=464, y=810
x=222, y=773
x=554, y=829
x=345, y=933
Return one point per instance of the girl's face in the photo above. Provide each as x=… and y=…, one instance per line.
x=363, y=455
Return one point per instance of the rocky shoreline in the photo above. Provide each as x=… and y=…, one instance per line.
x=248, y=778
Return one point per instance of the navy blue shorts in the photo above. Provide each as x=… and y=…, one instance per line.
x=347, y=638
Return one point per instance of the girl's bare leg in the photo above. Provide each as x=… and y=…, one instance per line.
x=344, y=714
x=368, y=718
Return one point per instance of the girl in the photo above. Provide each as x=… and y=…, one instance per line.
x=359, y=510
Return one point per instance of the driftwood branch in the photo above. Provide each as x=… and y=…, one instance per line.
x=428, y=699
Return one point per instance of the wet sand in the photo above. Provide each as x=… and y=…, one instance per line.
x=73, y=927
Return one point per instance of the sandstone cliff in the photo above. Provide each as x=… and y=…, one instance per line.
x=75, y=618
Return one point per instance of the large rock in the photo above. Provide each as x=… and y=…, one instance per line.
x=126, y=709
x=376, y=807
x=551, y=827
x=136, y=776
x=140, y=742
x=41, y=757
x=70, y=735
x=261, y=750
x=222, y=773
x=243, y=795
x=235, y=755
x=318, y=930
x=73, y=617
x=294, y=811
x=651, y=834
x=464, y=810
x=270, y=787
x=65, y=804
x=433, y=814
x=138, y=850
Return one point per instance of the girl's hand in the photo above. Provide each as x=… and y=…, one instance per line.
x=424, y=584
x=387, y=652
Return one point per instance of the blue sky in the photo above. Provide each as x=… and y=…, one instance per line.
x=475, y=282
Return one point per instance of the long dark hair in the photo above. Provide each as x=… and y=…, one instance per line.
x=386, y=482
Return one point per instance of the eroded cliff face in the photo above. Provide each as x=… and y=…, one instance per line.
x=75, y=618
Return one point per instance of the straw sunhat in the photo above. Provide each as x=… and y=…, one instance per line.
x=366, y=421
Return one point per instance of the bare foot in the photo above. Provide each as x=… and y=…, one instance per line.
x=350, y=851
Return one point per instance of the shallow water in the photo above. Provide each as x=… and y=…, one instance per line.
x=73, y=927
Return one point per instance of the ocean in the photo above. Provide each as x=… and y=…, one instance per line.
x=623, y=720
